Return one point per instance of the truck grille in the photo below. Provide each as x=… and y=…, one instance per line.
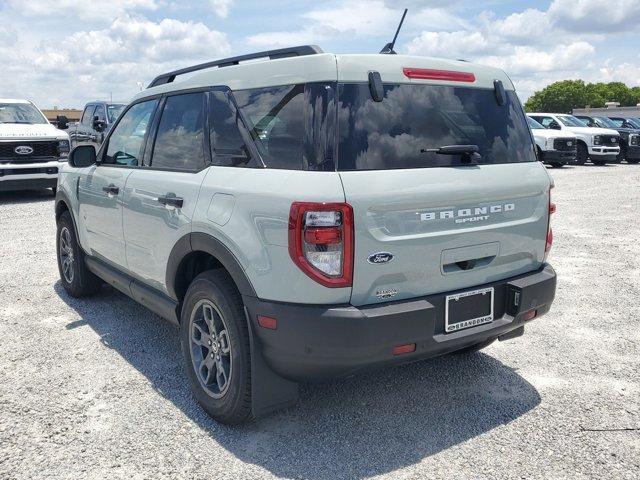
x=41, y=152
x=565, y=144
x=610, y=140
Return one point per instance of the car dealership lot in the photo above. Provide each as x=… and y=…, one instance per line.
x=94, y=387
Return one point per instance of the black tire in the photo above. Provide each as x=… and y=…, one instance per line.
x=622, y=155
x=599, y=162
x=582, y=155
x=76, y=278
x=475, y=348
x=633, y=160
x=557, y=164
x=215, y=292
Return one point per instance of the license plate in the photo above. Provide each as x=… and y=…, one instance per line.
x=468, y=309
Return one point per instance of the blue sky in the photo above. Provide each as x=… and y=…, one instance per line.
x=67, y=52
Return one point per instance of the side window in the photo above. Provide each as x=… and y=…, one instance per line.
x=293, y=126
x=276, y=121
x=87, y=115
x=180, y=139
x=545, y=121
x=227, y=143
x=100, y=113
x=126, y=143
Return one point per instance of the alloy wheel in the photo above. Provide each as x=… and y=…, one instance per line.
x=210, y=348
x=66, y=255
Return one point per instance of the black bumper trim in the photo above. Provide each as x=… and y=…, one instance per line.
x=27, y=184
x=557, y=156
x=314, y=342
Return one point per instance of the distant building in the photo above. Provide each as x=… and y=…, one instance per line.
x=611, y=109
x=71, y=113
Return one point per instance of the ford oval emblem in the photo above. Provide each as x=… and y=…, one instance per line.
x=23, y=150
x=380, y=257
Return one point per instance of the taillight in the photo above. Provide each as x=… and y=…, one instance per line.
x=321, y=241
x=444, y=75
x=552, y=210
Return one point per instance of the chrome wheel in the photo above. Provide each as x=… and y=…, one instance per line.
x=66, y=255
x=210, y=348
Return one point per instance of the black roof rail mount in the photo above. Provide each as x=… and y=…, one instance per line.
x=228, y=62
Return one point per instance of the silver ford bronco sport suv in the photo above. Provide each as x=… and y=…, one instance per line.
x=314, y=215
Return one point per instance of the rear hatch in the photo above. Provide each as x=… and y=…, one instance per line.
x=428, y=222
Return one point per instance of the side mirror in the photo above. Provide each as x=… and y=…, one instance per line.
x=82, y=156
x=62, y=122
x=555, y=126
x=98, y=125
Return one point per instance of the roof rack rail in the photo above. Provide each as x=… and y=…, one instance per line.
x=228, y=62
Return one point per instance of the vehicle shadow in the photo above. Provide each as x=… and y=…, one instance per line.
x=358, y=427
x=25, y=196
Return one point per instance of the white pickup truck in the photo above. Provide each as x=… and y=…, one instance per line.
x=31, y=149
x=554, y=147
x=600, y=145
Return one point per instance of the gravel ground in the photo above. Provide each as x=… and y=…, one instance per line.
x=94, y=388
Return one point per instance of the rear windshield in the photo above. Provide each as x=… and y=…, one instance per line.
x=394, y=133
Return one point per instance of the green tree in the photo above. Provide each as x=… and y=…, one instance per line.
x=564, y=96
x=559, y=97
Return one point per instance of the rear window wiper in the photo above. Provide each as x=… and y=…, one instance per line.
x=468, y=153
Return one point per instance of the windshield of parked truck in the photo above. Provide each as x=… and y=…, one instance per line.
x=20, y=113
x=571, y=121
x=406, y=128
x=535, y=125
x=634, y=122
x=606, y=123
x=114, y=111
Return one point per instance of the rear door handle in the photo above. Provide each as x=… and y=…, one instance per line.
x=170, y=200
x=111, y=189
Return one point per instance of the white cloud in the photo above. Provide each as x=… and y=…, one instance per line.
x=141, y=40
x=84, y=10
x=460, y=44
x=595, y=15
x=525, y=60
x=221, y=7
x=625, y=72
x=97, y=63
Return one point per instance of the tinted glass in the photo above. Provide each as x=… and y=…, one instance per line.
x=113, y=112
x=227, y=142
x=125, y=145
x=606, y=123
x=571, y=121
x=87, y=115
x=633, y=122
x=100, y=113
x=20, y=113
x=396, y=132
x=180, y=139
x=293, y=125
x=534, y=125
x=544, y=121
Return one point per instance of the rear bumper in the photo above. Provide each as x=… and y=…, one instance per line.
x=314, y=342
x=23, y=176
x=557, y=156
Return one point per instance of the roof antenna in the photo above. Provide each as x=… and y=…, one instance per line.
x=388, y=48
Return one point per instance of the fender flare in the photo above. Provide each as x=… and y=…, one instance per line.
x=62, y=198
x=202, y=242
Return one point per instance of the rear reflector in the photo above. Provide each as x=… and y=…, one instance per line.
x=445, y=75
x=402, y=349
x=530, y=315
x=267, y=322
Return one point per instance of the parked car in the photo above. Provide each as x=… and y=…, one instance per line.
x=554, y=148
x=97, y=119
x=598, y=144
x=31, y=149
x=314, y=216
x=629, y=137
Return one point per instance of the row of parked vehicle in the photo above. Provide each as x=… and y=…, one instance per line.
x=563, y=139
